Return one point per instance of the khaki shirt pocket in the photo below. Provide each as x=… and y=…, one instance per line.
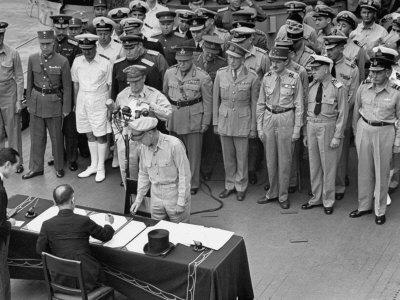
x=244, y=119
x=8, y=64
x=224, y=90
x=328, y=104
x=196, y=116
x=244, y=92
x=192, y=91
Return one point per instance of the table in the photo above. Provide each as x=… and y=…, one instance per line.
x=183, y=274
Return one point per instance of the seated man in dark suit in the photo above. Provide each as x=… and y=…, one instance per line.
x=67, y=236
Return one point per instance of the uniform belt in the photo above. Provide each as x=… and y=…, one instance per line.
x=376, y=123
x=46, y=91
x=185, y=103
x=279, y=110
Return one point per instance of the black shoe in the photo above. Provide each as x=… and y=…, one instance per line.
x=328, y=210
x=266, y=187
x=346, y=181
x=73, y=166
x=50, y=162
x=252, y=177
x=292, y=189
x=121, y=183
x=339, y=196
x=20, y=169
x=31, y=174
x=194, y=191
x=310, y=193
x=356, y=213
x=285, y=204
x=225, y=193
x=60, y=173
x=240, y=196
x=380, y=220
x=309, y=206
x=266, y=200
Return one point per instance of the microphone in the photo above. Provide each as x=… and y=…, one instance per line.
x=116, y=110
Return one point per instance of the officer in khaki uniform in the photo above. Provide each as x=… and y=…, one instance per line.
x=347, y=73
x=327, y=113
x=189, y=90
x=279, y=119
x=323, y=16
x=48, y=95
x=376, y=110
x=234, y=118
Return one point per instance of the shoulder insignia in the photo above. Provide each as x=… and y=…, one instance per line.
x=223, y=9
x=147, y=62
x=152, y=40
x=367, y=80
x=178, y=34
x=72, y=42
x=261, y=50
x=117, y=41
x=358, y=43
x=336, y=83
x=306, y=49
x=173, y=67
x=102, y=55
x=268, y=74
x=396, y=86
x=153, y=52
x=151, y=88
x=118, y=60
x=147, y=25
x=350, y=63
x=398, y=75
x=221, y=58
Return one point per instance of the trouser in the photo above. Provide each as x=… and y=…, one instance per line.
x=163, y=203
x=295, y=166
x=209, y=151
x=70, y=137
x=235, y=155
x=278, y=132
x=256, y=150
x=374, y=148
x=193, y=143
x=395, y=166
x=323, y=162
x=38, y=136
x=5, y=291
x=133, y=159
x=10, y=125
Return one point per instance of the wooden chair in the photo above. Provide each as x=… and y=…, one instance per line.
x=72, y=268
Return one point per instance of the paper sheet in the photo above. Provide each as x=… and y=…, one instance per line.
x=216, y=238
x=36, y=224
x=100, y=219
x=126, y=234
x=137, y=244
x=18, y=223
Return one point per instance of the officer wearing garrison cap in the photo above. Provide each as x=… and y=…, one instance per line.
x=279, y=120
x=142, y=100
x=189, y=89
x=327, y=112
x=235, y=94
x=48, y=94
x=376, y=110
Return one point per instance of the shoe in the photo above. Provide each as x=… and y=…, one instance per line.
x=309, y=206
x=100, y=175
x=115, y=162
x=266, y=200
x=60, y=173
x=73, y=166
x=284, y=204
x=20, y=169
x=252, y=177
x=194, y=191
x=292, y=189
x=85, y=154
x=31, y=174
x=380, y=220
x=346, y=181
x=328, y=210
x=240, y=196
x=339, y=196
x=89, y=171
x=266, y=187
x=50, y=162
x=225, y=193
x=356, y=213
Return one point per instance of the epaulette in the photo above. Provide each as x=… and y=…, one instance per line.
x=117, y=41
x=268, y=73
x=152, y=40
x=223, y=68
x=350, y=63
x=307, y=49
x=147, y=25
x=336, y=83
x=178, y=34
x=153, y=52
x=119, y=60
x=253, y=72
x=147, y=62
x=102, y=55
x=72, y=42
x=261, y=50
x=223, y=9
x=201, y=71
x=396, y=86
x=366, y=80
x=358, y=43
x=173, y=66
x=151, y=88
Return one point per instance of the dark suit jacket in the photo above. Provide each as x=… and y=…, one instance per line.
x=67, y=236
x=5, y=226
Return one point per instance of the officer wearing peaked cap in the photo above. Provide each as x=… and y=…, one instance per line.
x=376, y=109
x=151, y=20
x=323, y=16
x=48, y=95
x=118, y=14
x=100, y=8
x=75, y=27
x=105, y=44
x=189, y=90
x=198, y=29
x=184, y=17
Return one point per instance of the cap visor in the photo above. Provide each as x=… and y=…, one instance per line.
x=183, y=57
x=231, y=53
x=46, y=40
x=327, y=47
x=379, y=68
x=274, y=57
x=196, y=28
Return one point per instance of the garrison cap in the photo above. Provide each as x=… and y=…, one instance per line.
x=320, y=60
x=130, y=23
x=212, y=43
x=334, y=39
x=374, y=5
x=279, y=53
x=45, y=36
x=236, y=50
x=383, y=58
x=324, y=11
x=295, y=33
x=60, y=21
x=128, y=41
x=99, y=3
x=184, y=51
x=135, y=72
x=119, y=13
x=241, y=33
x=87, y=40
x=103, y=23
x=295, y=6
x=166, y=16
x=138, y=5
x=348, y=17
x=206, y=13
x=3, y=26
x=75, y=22
x=197, y=23
x=184, y=14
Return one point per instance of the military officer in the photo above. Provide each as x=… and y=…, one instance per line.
x=197, y=28
x=91, y=74
x=376, y=110
x=279, y=120
x=327, y=113
x=100, y=10
x=189, y=89
x=138, y=10
x=164, y=168
x=11, y=96
x=184, y=17
x=117, y=15
x=346, y=72
x=151, y=16
x=323, y=16
x=142, y=100
x=209, y=61
x=106, y=45
x=75, y=27
x=48, y=94
x=393, y=37
x=168, y=38
x=346, y=23
x=195, y=4
x=235, y=94
x=209, y=25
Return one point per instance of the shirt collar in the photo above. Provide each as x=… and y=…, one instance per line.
x=3, y=49
x=65, y=212
x=142, y=94
x=160, y=142
x=386, y=87
x=370, y=27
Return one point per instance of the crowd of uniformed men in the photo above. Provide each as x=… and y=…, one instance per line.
x=211, y=81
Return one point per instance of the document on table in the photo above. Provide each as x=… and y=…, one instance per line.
x=126, y=234
x=100, y=219
x=36, y=224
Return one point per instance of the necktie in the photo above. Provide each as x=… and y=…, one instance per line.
x=333, y=71
x=234, y=74
x=318, y=100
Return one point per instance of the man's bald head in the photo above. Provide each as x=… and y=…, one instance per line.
x=63, y=194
